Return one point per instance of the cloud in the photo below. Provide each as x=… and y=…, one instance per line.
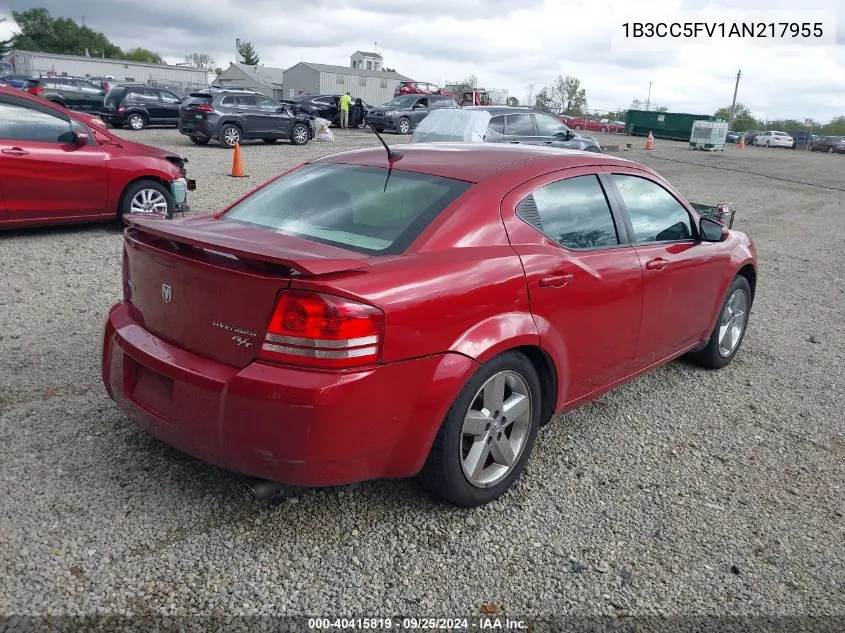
x=505, y=44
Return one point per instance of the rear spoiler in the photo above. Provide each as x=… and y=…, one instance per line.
x=242, y=242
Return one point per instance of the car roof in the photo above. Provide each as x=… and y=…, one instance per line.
x=472, y=162
x=500, y=109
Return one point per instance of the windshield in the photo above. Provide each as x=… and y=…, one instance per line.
x=405, y=101
x=348, y=206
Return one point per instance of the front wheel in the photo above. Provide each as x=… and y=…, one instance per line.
x=487, y=436
x=404, y=126
x=730, y=329
x=147, y=197
x=299, y=134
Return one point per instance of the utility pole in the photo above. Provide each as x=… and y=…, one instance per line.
x=648, y=101
x=237, y=49
x=733, y=103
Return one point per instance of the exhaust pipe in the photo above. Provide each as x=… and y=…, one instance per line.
x=262, y=489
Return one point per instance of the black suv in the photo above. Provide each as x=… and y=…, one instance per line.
x=232, y=116
x=404, y=113
x=70, y=92
x=138, y=105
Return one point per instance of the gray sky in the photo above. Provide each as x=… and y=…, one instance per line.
x=506, y=43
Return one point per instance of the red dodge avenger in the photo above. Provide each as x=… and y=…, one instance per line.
x=421, y=311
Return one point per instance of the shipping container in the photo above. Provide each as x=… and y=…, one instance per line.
x=708, y=135
x=669, y=125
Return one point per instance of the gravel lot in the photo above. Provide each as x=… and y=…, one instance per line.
x=685, y=492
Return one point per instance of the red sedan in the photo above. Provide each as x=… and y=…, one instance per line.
x=594, y=126
x=59, y=166
x=361, y=318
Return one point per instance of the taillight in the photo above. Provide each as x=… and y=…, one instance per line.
x=127, y=283
x=121, y=110
x=35, y=90
x=204, y=108
x=321, y=330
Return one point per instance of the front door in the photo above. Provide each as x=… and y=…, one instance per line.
x=584, y=280
x=43, y=173
x=678, y=269
x=419, y=111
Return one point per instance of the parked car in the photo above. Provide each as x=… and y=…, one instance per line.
x=773, y=138
x=233, y=116
x=325, y=107
x=530, y=126
x=604, y=125
x=802, y=138
x=138, y=105
x=750, y=135
x=288, y=338
x=403, y=114
x=68, y=92
x=420, y=88
x=829, y=144
x=732, y=137
x=58, y=166
x=16, y=81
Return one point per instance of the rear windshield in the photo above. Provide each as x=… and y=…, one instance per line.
x=348, y=206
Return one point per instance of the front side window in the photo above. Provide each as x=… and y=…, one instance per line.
x=348, y=206
x=246, y=102
x=656, y=215
x=169, y=97
x=20, y=123
x=267, y=105
x=549, y=126
x=572, y=212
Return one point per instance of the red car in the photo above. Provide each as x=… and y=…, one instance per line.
x=419, y=88
x=361, y=317
x=58, y=166
x=580, y=123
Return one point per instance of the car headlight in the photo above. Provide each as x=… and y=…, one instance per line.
x=391, y=113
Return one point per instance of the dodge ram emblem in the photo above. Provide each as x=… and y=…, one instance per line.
x=166, y=293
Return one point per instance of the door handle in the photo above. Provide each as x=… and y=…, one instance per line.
x=548, y=141
x=556, y=281
x=513, y=140
x=656, y=264
x=15, y=151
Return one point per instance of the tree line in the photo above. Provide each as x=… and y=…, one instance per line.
x=39, y=31
x=744, y=121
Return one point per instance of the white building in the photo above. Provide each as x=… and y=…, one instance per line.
x=373, y=86
x=30, y=63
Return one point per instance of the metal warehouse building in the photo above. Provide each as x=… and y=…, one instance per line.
x=373, y=86
x=27, y=62
x=264, y=79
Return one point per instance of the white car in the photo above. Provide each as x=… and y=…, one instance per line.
x=774, y=139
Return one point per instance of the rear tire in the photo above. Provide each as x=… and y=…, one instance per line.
x=230, y=135
x=199, y=140
x=730, y=329
x=478, y=453
x=146, y=197
x=136, y=122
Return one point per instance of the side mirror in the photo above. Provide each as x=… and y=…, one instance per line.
x=81, y=138
x=712, y=231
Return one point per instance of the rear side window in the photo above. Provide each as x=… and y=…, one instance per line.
x=572, y=212
x=246, y=102
x=143, y=94
x=519, y=125
x=656, y=216
x=348, y=206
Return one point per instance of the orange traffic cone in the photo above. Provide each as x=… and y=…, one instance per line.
x=649, y=142
x=741, y=144
x=238, y=163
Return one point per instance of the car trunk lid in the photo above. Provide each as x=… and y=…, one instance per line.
x=210, y=287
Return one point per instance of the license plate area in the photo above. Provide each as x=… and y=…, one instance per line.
x=153, y=391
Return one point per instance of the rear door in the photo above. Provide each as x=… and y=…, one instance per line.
x=519, y=128
x=90, y=95
x=251, y=118
x=682, y=276
x=584, y=279
x=43, y=174
x=148, y=99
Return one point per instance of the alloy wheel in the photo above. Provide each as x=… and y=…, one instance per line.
x=148, y=201
x=232, y=136
x=300, y=135
x=732, y=323
x=496, y=429
x=404, y=126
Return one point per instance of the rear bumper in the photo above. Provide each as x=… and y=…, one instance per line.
x=197, y=128
x=296, y=426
